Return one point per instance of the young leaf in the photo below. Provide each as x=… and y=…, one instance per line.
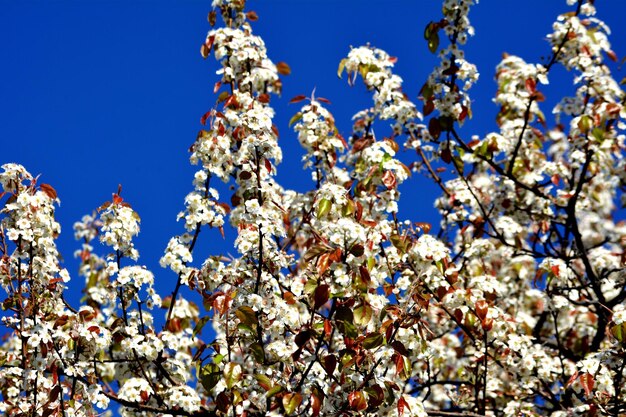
x=232, y=374
x=283, y=68
x=357, y=400
x=373, y=340
x=322, y=294
x=291, y=401
x=323, y=207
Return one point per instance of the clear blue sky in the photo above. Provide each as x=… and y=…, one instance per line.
x=96, y=93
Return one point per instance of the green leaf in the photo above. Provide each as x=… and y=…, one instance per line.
x=348, y=209
x=428, y=30
x=232, y=374
x=363, y=315
x=427, y=91
x=324, y=207
x=263, y=381
x=295, y=118
x=245, y=328
x=347, y=329
x=342, y=65
x=291, y=401
x=399, y=242
x=210, y=375
x=619, y=332
x=200, y=325
x=598, y=134
x=433, y=42
x=585, y=123
x=315, y=251
x=247, y=315
x=357, y=250
x=373, y=340
x=258, y=352
x=275, y=390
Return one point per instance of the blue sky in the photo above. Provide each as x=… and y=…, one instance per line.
x=98, y=93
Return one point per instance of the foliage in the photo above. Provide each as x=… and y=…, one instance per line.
x=335, y=305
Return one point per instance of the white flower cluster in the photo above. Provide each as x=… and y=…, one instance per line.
x=516, y=84
x=201, y=207
x=390, y=103
x=120, y=223
x=13, y=176
x=244, y=60
x=441, y=84
x=177, y=256
x=183, y=397
x=318, y=135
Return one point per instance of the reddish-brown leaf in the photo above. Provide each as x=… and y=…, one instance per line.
x=289, y=298
x=571, y=380
x=531, y=85
x=54, y=393
x=231, y=102
x=144, y=396
x=297, y=99
x=481, y=309
x=487, y=324
x=434, y=128
x=49, y=191
x=399, y=347
x=402, y=404
x=303, y=337
x=588, y=382
x=316, y=405
x=458, y=315
x=252, y=16
x=357, y=400
x=359, y=211
x=330, y=363
x=328, y=327
x=283, y=68
x=204, y=117
x=389, y=180
x=204, y=50
x=365, y=274
x=399, y=361
x=223, y=402
x=376, y=396
x=473, y=143
x=424, y=226
x=323, y=263
x=429, y=107
x=446, y=155
x=212, y=17
x=464, y=113
x=321, y=296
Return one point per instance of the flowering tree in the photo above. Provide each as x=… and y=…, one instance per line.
x=336, y=305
